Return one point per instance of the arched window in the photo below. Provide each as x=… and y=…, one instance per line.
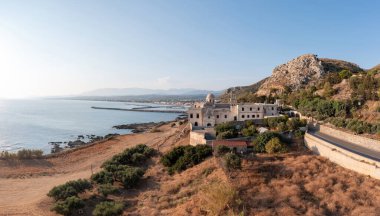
x=191, y=115
x=209, y=125
x=197, y=115
x=195, y=123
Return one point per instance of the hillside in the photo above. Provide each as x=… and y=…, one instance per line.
x=305, y=70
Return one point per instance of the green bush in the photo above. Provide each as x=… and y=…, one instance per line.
x=70, y=188
x=262, y=139
x=68, y=206
x=275, y=146
x=22, y=154
x=226, y=134
x=107, y=189
x=131, y=156
x=232, y=161
x=222, y=150
x=130, y=176
x=345, y=74
x=108, y=209
x=223, y=127
x=249, y=131
x=103, y=177
x=182, y=157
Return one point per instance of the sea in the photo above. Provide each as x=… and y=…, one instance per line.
x=35, y=123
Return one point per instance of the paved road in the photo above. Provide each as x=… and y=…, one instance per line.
x=362, y=151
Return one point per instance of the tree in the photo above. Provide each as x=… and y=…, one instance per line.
x=262, y=139
x=275, y=146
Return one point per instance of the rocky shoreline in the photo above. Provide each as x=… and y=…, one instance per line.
x=140, y=127
x=80, y=141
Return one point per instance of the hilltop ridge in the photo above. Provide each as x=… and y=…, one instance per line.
x=302, y=71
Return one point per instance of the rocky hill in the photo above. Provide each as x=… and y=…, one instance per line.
x=302, y=71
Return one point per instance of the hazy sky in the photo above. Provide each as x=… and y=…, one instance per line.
x=60, y=47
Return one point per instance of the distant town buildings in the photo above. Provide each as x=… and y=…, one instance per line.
x=210, y=113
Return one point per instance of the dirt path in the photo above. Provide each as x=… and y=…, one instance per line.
x=23, y=186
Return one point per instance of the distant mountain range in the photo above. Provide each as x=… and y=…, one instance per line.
x=144, y=91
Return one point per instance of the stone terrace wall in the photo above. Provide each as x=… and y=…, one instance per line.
x=359, y=140
x=197, y=138
x=342, y=157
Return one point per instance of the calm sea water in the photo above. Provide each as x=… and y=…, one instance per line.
x=35, y=123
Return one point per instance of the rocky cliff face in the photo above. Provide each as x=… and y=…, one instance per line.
x=299, y=72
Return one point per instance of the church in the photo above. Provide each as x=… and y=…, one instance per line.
x=209, y=113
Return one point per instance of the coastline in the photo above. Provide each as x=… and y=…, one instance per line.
x=25, y=183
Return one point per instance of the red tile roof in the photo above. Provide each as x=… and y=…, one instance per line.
x=230, y=143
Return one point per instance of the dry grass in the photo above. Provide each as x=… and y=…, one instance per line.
x=216, y=197
x=303, y=184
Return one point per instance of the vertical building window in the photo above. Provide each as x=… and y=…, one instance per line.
x=272, y=108
x=208, y=117
x=250, y=109
x=242, y=109
x=247, y=116
x=197, y=115
x=258, y=108
x=225, y=116
x=217, y=116
x=242, y=116
x=258, y=116
x=191, y=115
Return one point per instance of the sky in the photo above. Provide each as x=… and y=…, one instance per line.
x=54, y=47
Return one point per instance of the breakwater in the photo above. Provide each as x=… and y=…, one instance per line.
x=140, y=110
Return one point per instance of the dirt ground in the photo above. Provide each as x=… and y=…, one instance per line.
x=296, y=183
x=304, y=184
x=24, y=185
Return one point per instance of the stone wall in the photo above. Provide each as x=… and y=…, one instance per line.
x=197, y=137
x=343, y=157
x=358, y=140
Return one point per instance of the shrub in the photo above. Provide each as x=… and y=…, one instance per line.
x=107, y=189
x=182, y=157
x=68, y=206
x=108, y=209
x=262, y=139
x=22, y=154
x=130, y=176
x=275, y=146
x=70, y=188
x=103, y=177
x=249, y=131
x=232, y=161
x=216, y=196
x=223, y=127
x=131, y=156
x=222, y=150
x=226, y=135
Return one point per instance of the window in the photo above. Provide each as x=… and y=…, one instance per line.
x=225, y=116
x=250, y=109
x=217, y=116
x=242, y=116
x=242, y=109
x=272, y=108
x=197, y=115
x=258, y=108
x=191, y=115
x=195, y=123
x=208, y=117
x=247, y=116
x=258, y=116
